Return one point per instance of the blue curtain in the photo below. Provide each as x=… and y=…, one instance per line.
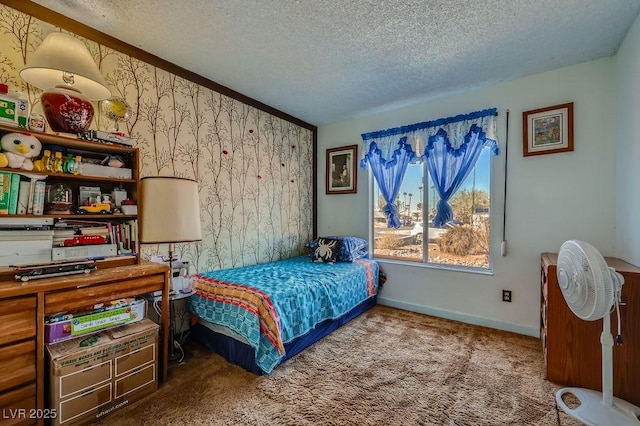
x=389, y=175
x=449, y=166
x=450, y=147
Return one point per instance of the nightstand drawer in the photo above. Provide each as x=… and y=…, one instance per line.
x=19, y=317
x=18, y=364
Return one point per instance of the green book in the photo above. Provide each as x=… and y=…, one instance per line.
x=14, y=190
x=5, y=186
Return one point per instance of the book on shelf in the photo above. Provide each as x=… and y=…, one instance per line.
x=23, y=197
x=14, y=190
x=61, y=234
x=17, y=194
x=5, y=190
x=38, y=196
x=95, y=230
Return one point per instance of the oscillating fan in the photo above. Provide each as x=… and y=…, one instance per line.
x=591, y=290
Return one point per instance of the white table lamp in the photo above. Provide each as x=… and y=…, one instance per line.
x=170, y=213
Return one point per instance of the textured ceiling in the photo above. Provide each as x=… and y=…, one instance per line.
x=324, y=61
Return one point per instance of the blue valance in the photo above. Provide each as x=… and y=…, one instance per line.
x=418, y=134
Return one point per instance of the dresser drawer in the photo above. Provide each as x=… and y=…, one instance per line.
x=18, y=363
x=60, y=301
x=19, y=406
x=19, y=317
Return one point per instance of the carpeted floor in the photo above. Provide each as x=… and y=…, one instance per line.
x=386, y=367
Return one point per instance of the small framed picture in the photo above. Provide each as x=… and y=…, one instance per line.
x=548, y=130
x=342, y=174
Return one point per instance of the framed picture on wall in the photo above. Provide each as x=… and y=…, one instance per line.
x=548, y=130
x=342, y=175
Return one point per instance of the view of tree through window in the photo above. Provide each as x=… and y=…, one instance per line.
x=463, y=241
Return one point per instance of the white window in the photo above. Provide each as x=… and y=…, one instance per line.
x=462, y=242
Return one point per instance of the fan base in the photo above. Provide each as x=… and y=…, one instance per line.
x=593, y=411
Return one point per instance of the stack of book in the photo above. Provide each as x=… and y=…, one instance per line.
x=21, y=194
x=9, y=184
x=124, y=234
x=98, y=229
x=61, y=234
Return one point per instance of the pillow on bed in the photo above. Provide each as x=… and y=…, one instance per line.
x=327, y=250
x=353, y=248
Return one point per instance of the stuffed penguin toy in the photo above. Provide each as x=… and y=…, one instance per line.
x=18, y=149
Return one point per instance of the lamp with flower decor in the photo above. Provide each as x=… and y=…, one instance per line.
x=64, y=68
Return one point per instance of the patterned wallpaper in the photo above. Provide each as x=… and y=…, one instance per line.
x=254, y=169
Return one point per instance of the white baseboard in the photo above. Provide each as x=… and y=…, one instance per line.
x=458, y=316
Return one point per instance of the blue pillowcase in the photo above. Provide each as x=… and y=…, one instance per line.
x=353, y=248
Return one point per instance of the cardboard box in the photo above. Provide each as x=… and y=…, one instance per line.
x=90, y=377
x=129, y=209
x=88, y=195
x=88, y=323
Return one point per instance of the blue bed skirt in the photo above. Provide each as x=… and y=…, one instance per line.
x=243, y=355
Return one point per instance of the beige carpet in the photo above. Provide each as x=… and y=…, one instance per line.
x=386, y=367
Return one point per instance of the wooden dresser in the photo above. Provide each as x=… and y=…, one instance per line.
x=23, y=307
x=572, y=350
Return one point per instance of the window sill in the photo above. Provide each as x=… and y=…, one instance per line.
x=453, y=268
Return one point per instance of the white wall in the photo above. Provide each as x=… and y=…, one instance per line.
x=628, y=147
x=551, y=198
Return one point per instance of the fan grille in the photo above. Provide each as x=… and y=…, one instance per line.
x=585, y=280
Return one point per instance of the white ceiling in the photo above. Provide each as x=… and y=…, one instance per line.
x=324, y=61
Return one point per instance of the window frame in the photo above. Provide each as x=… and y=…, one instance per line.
x=424, y=263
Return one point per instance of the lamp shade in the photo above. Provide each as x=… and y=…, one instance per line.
x=170, y=210
x=61, y=53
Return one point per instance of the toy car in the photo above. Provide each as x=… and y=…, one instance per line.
x=102, y=208
x=83, y=240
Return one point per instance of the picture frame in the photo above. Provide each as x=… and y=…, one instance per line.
x=548, y=130
x=342, y=172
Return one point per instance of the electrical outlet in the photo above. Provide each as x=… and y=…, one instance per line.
x=506, y=295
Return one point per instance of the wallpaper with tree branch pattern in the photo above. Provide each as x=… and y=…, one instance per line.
x=254, y=169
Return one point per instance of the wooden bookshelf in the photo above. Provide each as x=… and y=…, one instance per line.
x=88, y=150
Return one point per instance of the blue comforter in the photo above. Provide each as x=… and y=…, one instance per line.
x=273, y=303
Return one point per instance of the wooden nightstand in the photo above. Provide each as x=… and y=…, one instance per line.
x=179, y=322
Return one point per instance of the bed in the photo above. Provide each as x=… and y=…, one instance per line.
x=261, y=315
